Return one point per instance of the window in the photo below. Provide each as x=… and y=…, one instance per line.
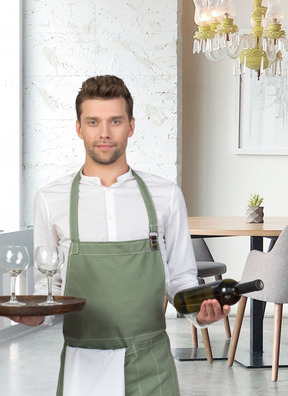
x=10, y=110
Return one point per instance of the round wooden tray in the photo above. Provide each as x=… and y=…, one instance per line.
x=69, y=304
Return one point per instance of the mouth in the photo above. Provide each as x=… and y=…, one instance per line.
x=104, y=147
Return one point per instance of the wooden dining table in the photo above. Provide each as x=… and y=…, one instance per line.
x=207, y=227
x=235, y=226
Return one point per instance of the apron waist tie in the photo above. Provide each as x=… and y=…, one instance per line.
x=138, y=342
x=139, y=345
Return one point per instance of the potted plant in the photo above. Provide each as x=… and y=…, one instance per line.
x=255, y=212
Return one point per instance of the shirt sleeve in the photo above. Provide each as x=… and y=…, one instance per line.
x=44, y=235
x=180, y=255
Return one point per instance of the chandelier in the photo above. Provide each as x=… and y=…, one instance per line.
x=260, y=50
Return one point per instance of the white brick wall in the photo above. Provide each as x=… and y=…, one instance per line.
x=66, y=42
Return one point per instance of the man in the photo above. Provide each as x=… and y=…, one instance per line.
x=126, y=241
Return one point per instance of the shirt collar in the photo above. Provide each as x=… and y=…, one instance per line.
x=96, y=180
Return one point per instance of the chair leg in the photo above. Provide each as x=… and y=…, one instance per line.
x=278, y=309
x=165, y=304
x=206, y=341
x=207, y=345
x=194, y=335
x=227, y=327
x=236, y=330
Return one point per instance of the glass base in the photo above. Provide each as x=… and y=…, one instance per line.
x=49, y=302
x=13, y=303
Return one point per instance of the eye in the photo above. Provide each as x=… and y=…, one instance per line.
x=115, y=122
x=92, y=122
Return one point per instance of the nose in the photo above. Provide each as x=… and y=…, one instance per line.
x=105, y=131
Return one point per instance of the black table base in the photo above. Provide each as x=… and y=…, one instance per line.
x=254, y=360
x=192, y=354
x=244, y=358
x=219, y=351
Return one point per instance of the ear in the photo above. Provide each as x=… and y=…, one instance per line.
x=131, y=127
x=78, y=129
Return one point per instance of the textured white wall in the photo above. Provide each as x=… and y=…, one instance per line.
x=66, y=42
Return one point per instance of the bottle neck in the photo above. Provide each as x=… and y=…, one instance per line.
x=248, y=287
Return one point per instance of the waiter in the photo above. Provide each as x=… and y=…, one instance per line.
x=126, y=241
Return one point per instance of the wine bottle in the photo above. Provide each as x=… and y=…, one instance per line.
x=226, y=291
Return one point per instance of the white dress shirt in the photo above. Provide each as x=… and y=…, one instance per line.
x=117, y=213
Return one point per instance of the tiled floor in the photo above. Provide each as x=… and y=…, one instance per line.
x=29, y=364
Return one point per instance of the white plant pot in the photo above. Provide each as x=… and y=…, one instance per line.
x=255, y=215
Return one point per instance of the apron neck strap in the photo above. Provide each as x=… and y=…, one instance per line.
x=153, y=222
x=74, y=198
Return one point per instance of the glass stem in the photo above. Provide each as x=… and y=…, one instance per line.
x=13, y=283
x=49, y=281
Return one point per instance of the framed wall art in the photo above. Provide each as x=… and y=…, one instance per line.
x=262, y=114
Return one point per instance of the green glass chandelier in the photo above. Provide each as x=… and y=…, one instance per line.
x=261, y=50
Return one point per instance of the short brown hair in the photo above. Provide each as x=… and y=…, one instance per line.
x=105, y=87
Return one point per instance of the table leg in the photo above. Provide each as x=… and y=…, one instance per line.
x=256, y=309
x=254, y=359
x=256, y=326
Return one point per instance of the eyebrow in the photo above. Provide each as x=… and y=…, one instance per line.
x=118, y=117
x=111, y=118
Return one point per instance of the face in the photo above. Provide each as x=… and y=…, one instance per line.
x=104, y=127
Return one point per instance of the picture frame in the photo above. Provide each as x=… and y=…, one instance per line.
x=262, y=114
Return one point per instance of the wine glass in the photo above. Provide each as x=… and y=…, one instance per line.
x=49, y=261
x=14, y=260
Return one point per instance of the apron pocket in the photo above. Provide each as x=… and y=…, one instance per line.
x=89, y=372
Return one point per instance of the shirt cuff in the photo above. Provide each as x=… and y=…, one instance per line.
x=193, y=319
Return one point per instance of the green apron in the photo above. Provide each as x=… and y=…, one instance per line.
x=124, y=286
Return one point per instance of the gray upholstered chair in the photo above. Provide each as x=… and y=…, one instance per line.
x=272, y=269
x=207, y=267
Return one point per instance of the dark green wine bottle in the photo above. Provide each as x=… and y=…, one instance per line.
x=226, y=291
